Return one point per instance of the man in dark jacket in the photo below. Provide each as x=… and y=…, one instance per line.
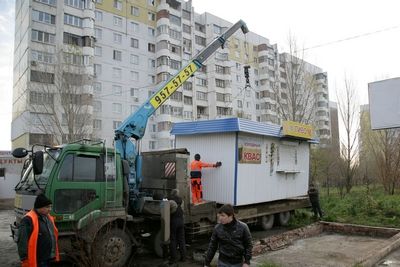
x=233, y=240
x=177, y=236
x=38, y=235
x=314, y=199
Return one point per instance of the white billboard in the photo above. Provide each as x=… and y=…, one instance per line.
x=384, y=104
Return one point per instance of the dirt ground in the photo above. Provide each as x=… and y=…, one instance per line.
x=8, y=249
x=324, y=250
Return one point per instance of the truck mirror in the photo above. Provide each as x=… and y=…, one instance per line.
x=20, y=152
x=37, y=162
x=125, y=167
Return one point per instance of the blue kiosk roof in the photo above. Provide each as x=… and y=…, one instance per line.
x=225, y=126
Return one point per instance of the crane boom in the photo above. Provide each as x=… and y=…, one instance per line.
x=135, y=125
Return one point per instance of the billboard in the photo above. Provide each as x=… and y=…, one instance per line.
x=384, y=104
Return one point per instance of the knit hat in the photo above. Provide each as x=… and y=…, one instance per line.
x=41, y=201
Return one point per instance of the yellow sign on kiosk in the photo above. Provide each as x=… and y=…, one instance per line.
x=296, y=129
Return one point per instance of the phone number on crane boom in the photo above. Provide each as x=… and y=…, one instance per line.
x=162, y=95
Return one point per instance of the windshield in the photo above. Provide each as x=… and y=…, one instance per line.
x=49, y=159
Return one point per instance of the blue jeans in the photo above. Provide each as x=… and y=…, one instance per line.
x=223, y=264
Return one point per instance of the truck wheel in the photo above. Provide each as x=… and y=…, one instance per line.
x=112, y=248
x=267, y=221
x=284, y=218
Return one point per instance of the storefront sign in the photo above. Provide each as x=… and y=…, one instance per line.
x=249, y=151
x=296, y=129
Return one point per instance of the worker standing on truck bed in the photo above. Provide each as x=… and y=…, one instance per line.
x=38, y=236
x=195, y=177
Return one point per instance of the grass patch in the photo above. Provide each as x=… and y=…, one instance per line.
x=270, y=264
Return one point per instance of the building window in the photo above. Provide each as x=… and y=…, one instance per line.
x=151, y=63
x=200, y=27
x=175, y=34
x=117, y=90
x=117, y=73
x=117, y=55
x=48, y=2
x=151, y=16
x=135, y=27
x=43, y=17
x=217, y=29
x=134, y=43
x=97, y=106
x=98, y=15
x=43, y=37
x=239, y=104
x=188, y=100
x=97, y=70
x=97, y=124
x=117, y=4
x=73, y=59
x=42, y=57
x=186, y=14
x=97, y=87
x=200, y=40
x=134, y=92
x=151, y=31
x=117, y=21
x=117, y=38
x=40, y=98
x=134, y=76
x=98, y=33
x=117, y=107
x=116, y=124
x=151, y=47
x=135, y=59
x=187, y=28
x=98, y=51
x=152, y=144
x=201, y=82
x=150, y=2
x=151, y=79
x=75, y=3
x=201, y=96
x=135, y=11
x=174, y=20
x=42, y=77
x=72, y=20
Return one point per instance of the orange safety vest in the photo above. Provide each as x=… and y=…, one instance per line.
x=196, y=166
x=31, y=261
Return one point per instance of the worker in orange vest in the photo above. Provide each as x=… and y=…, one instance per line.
x=38, y=236
x=195, y=177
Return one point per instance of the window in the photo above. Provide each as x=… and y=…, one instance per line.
x=134, y=92
x=174, y=34
x=75, y=3
x=117, y=21
x=200, y=27
x=117, y=73
x=151, y=79
x=116, y=124
x=97, y=106
x=188, y=115
x=175, y=20
x=134, y=43
x=134, y=76
x=151, y=16
x=97, y=87
x=176, y=65
x=186, y=14
x=40, y=98
x=188, y=86
x=177, y=96
x=117, y=4
x=48, y=2
x=135, y=27
x=72, y=20
x=188, y=100
x=151, y=31
x=150, y=2
x=98, y=51
x=117, y=38
x=187, y=28
x=98, y=15
x=117, y=107
x=97, y=69
x=42, y=77
x=117, y=90
x=201, y=96
x=42, y=56
x=151, y=63
x=162, y=29
x=220, y=83
x=117, y=55
x=43, y=17
x=98, y=33
x=217, y=29
x=200, y=40
x=43, y=37
x=201, y=82
x=135, y=11
x=151, y=47
x=82, y=168
x=135, y=59
x=152, y=144
x=97, y=124
x=239, y=104
x=73, y=59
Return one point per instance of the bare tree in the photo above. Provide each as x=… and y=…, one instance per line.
x=295, y=96
x=348, y=113
x=61, y=100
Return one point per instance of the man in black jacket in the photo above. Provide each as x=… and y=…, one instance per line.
x=177, y=237
x=233, y=240
x=313, y=194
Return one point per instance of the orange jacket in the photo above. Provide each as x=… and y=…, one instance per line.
x=196, y=166
x=31, y=261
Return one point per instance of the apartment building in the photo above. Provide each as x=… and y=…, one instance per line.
x=124, y=51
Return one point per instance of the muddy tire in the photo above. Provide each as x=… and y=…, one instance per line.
x=266, y=222
x=284, y=218
x=112, y=248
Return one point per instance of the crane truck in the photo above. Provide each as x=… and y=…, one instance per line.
x=98, y=204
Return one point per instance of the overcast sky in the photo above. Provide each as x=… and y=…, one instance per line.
x=362, y=37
